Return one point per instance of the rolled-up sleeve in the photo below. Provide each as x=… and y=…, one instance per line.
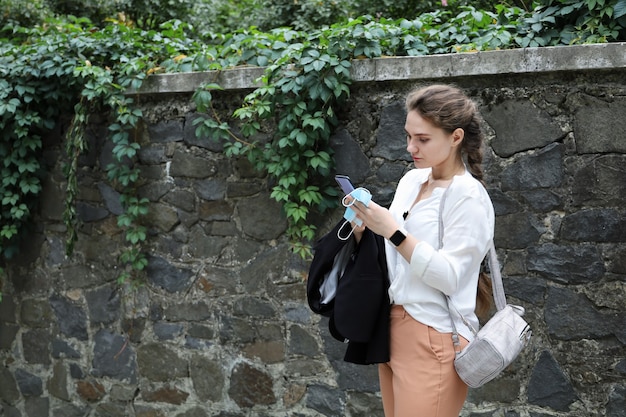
x=468, y=229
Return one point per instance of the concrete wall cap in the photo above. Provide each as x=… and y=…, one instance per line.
x=509, y=61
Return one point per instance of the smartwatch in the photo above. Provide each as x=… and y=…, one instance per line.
x=397, y=238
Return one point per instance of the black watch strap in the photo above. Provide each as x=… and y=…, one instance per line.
x=397, y=238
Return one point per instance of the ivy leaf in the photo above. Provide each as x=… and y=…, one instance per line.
x=296, y=211
x=8, y=231
x=29, y=165
x=19, y=211
x=619, y=9
x=30, y=185
x=9, y=106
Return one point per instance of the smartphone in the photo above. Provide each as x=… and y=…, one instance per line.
x=344, y=183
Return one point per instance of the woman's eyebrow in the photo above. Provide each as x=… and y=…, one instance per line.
x=416, y=134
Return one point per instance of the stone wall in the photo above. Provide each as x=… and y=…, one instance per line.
x=222, y=327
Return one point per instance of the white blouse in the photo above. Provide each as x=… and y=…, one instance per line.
x=468, y=219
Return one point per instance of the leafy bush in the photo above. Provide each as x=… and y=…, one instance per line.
x=24, y=12
x=74, y=64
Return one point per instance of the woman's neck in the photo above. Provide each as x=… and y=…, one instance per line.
x=447, y=173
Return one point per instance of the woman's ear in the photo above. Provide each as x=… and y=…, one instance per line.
x=457, y=136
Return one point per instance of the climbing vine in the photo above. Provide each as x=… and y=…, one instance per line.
x=72, y=66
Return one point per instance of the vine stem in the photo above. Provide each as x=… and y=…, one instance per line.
x=230, y=133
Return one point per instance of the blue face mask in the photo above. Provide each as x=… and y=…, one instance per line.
x=361, y=195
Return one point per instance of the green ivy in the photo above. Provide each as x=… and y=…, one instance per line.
x=308, y=78
x=283, y=127
x=73, y=65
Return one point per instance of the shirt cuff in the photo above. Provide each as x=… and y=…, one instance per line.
x=420, y=258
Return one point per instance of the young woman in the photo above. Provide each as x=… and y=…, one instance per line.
x=444, y=139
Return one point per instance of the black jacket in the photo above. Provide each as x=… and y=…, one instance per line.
x=359, y=312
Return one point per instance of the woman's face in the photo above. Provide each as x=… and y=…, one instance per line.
x=429, y=146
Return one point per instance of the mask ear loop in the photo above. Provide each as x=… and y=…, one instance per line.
x=341, y=228
x=354, y=200
x=357, y=221
x=343, y=200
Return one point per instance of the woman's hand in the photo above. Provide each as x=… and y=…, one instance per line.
x=380, y=221
x=376, y=218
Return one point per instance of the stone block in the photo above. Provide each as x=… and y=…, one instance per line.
x=189, y=165
x=549, y=386
x=166, y=131
x=37, y=406
x=90, y=390
x=166, y=394
x=30, y=385
x=212, y=189
x=161, y=216
x=7, y=335
x=208, y=378
x=592, y=132
x=250, y=386
x=567, y=264
x=167, y=331
x=254, y=307
x=262, y=217
x=349, y=157
x=9, y=393
x=571, y=316
x=594, y=225
x=57, y=384
x=104, y=305
x=196, y=311
x=161, y=363
x=71, y=318
x=8, y=309
x=600, y=182
x=114, y=357
x=516, y=231
x=181, y=199
x=390, y=135
x=36, y=346
x=301, y=342
x=520, y=126
x=268, y=351
x=541, y=169
x=326, y=400
x=167, y=276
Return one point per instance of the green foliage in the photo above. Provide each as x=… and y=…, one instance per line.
x=283, y=127
x=94, y=10
x=150, y=14
x=582, y=21
x=300, y=15
x=24, y=12
x=308, y=77
x=73, y=65
x=224, y=16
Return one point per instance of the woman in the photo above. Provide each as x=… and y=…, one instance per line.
x=444, y=139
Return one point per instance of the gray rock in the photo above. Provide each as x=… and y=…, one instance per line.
x=548, y=386
x=114, y=357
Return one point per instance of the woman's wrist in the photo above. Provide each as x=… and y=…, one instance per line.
x=398, y=236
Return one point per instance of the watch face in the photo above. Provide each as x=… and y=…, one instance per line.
x=397, y=238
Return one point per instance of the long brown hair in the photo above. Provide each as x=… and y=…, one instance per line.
x=448, y=108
